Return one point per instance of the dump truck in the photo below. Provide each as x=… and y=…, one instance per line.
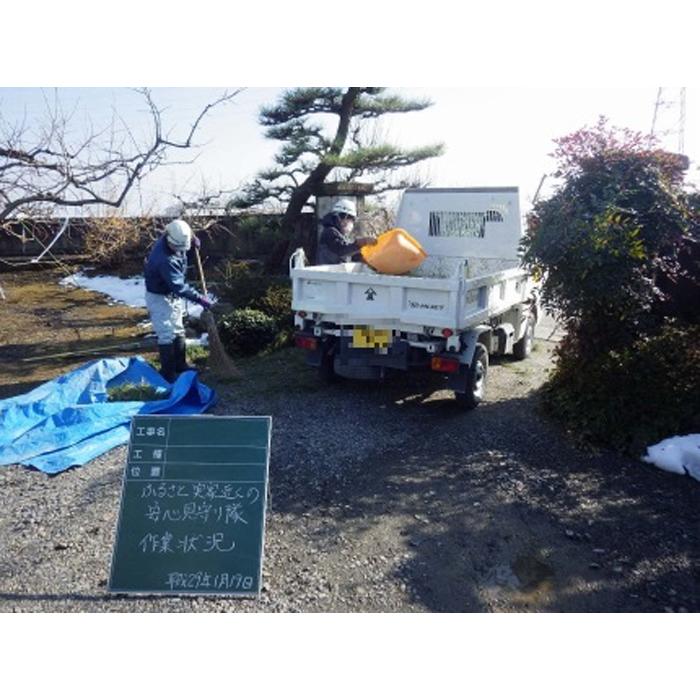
x=469, y=299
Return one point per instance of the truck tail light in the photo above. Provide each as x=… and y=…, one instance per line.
x=447, y=332
x=444, y=364
x=303, y=341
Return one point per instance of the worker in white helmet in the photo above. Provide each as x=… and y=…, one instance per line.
x=166, y=290
x=337, y=244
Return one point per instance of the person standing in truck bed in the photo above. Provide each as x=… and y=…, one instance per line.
x=337, y=244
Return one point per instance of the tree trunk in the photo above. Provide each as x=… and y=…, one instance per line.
x=315, y=179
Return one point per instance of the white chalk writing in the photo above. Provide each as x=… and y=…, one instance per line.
x=150, y=431
x=165, y=490
x=156, y=543
x=196, y=511
x=199, y=580
x=202, y=490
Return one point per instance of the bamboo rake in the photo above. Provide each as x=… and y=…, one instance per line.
x=220, y=362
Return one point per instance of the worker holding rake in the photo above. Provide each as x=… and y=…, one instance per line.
x=166, y=290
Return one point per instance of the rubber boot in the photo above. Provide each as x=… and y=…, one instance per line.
x=180, y=352
x=167, y=362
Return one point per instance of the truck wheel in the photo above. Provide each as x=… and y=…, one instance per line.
x=523, y=347
x=475, y=380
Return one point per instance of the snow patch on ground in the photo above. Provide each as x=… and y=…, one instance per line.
x=677, y=454
x=203, y=340
x=130, y=291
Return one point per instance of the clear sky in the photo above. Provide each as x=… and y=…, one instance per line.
x=493, y=136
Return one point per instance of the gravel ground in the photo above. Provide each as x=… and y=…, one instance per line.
x=387, y=498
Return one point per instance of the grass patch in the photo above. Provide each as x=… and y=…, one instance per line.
x=135, y=392
x=197, y=355
x=277, y=372
x=47, y=330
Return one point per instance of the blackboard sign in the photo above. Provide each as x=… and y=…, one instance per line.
x=192, y=516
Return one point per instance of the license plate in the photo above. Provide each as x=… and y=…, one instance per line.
x=366, y=337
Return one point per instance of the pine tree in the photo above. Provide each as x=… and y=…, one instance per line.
x=309, y=155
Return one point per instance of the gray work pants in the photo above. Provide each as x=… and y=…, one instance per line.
x=166, y=313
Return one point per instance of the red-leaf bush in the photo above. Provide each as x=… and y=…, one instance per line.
x=617, y=246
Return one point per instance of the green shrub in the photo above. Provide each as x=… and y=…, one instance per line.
x=617, y=246
x=241, y=283
x=277, y=303
x=257, y=235
x=244, y=285
x=632, y=398
x=616, y=240
x=247, y=331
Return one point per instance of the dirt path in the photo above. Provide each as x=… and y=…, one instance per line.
x=389, y=498
x=486, y=511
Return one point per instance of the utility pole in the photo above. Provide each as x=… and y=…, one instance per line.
x=669, y=116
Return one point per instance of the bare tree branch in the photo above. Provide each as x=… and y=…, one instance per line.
x=47, y=169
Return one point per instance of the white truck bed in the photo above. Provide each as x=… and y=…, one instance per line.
x=353, y=294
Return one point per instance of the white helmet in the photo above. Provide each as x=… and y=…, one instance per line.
x=179, y=235
x=345, y=206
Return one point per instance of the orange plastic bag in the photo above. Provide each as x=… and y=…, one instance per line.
x=395, y=252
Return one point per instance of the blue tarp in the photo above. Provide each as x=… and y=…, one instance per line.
x=68, y=421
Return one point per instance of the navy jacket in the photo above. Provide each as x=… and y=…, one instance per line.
x=333, y=246
x=165, y=272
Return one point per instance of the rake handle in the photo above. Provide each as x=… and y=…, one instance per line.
x=201, y=272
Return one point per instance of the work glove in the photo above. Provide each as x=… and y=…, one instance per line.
x=196, y=242
x=205, y=303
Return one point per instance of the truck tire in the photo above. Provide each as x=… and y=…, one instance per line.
x=475, y=384
x=523, y=347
